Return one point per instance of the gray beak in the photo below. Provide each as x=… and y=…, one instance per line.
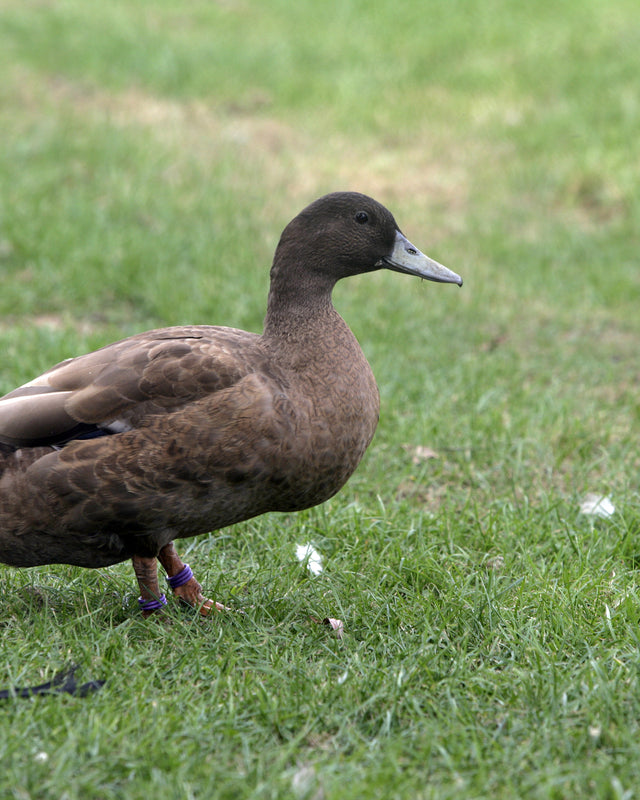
x=408, y=259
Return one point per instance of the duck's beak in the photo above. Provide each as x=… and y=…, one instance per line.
x=408, y=259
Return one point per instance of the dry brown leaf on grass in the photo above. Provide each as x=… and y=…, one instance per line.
x=427, y=494
x=336, y=625
x=494, y=563
x=420, y=452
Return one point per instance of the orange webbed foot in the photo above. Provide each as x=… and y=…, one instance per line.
x=191, y=594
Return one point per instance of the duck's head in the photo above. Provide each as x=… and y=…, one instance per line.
x=347, y=233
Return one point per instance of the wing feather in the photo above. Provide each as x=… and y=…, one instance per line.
x=121, y=385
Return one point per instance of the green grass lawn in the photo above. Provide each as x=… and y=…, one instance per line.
x=151, y=153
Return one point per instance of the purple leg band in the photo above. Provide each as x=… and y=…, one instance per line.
x=180, y=578
x=152, y=605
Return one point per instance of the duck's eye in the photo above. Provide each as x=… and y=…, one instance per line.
x=362, y=217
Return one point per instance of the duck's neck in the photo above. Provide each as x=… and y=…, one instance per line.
x=298, y=305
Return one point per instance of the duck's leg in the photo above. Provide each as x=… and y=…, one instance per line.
x=151, y=598
x=183, y=583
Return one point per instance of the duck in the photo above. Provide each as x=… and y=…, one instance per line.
x=180, y=431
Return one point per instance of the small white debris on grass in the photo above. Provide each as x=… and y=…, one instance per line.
x=303, y=781
x=308, y=553
x=41, y=757
x=597, y=505
x=595, y=731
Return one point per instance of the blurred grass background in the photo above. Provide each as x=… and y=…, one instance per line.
x=151, y=154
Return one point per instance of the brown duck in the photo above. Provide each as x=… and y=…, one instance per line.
x=179, y=431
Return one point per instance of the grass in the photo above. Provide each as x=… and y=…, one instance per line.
x=151, y=155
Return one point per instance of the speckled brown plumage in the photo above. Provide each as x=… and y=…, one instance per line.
x=194, y=428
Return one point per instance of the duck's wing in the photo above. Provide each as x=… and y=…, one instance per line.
x=116, y=388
